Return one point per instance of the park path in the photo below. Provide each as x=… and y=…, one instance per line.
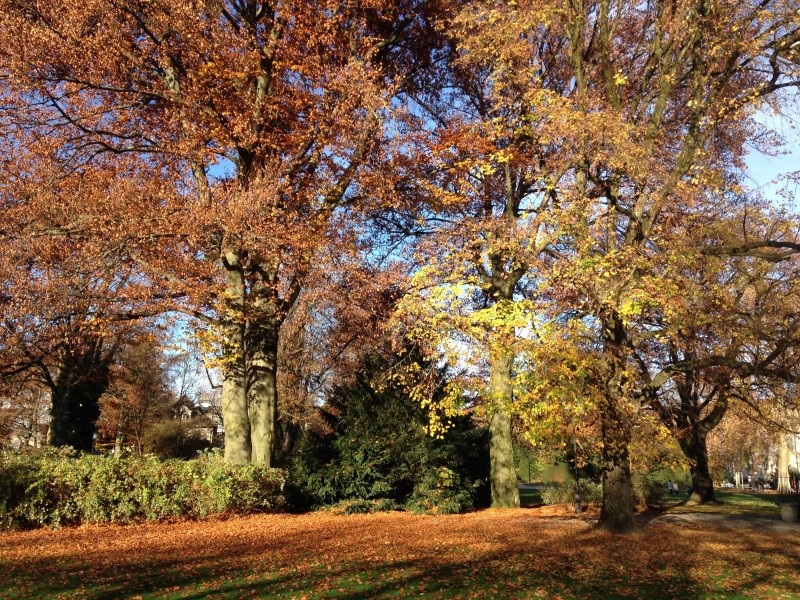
x=746, y=522
x=720, y=521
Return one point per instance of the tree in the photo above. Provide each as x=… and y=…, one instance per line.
x=61, y=348
x=138, y=395
x=376, y=449
x=734, y=339
x=230, y=135
x=649, y=107
x=23, y=415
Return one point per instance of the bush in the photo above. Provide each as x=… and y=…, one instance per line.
x=646, y=492
x=58, y=488
x=564, y=493
x=173, y=438
x=647, y=488
x=379, y=456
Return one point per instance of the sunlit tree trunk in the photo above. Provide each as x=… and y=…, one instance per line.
x=502, y=473
x=234, y=383
x=784, y=484
x=118, y=438
x=262, y=391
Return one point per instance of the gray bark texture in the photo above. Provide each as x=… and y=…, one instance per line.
x=234, y=383
x=262, y=392
x=502, y=471
x=616, y=514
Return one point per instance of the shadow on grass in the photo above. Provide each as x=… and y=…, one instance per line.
x=497, y=554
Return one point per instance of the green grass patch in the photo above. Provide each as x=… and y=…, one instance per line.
x=730, y=503
x=484, y=554
x=530, y=496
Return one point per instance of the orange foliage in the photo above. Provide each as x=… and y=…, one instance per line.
x=495, y=553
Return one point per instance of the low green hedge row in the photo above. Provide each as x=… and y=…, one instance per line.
x=58, y=488
x=645, y=492
x=564, y=493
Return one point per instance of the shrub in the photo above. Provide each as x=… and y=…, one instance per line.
x=173, y=438
x=646, y=492
x=564, y=493
x=58, y=488
x=379, y=455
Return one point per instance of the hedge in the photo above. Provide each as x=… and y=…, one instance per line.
x=59, y=488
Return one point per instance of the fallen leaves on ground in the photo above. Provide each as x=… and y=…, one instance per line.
x=486, y=554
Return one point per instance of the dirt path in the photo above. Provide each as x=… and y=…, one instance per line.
x=747, y=522
x=719, y=521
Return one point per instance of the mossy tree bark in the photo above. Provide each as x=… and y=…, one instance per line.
x=262, y=390
x=502, y=472
x=234, y=384
x=616, y=514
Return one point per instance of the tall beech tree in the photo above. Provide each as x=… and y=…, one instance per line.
x=233, y=133
x=478, y=158
x=651, y=110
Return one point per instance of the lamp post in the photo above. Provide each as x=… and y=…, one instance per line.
x=95, y=435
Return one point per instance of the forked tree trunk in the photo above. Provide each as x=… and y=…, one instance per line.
x=502, y=472
x=262, y=391
x=784, y=484
x=696, y=450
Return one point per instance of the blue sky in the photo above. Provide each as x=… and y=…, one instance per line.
x=767, y=172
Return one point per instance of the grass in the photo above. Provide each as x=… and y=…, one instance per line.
x=528, y=497
x=485, y=554
x=730, y=503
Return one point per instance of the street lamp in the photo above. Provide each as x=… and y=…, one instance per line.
x=95, y=435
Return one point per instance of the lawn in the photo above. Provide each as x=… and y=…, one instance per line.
x=487, y=554
x=529, y=496
x=730, y=503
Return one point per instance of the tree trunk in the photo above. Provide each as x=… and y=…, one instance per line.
x=616, y=514
x=234, y=409
x=696, y=450
x=118, y=443
x=262, y=391
x=75, y=401
x=234, y=382
x=784, y=484
x=502, y=472
x=59, y=418
x=289, y=438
